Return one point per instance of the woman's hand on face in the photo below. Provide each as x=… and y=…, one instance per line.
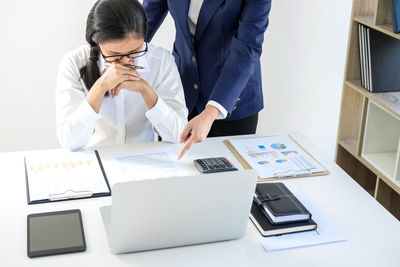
x=132, y=85
x=149, y=96
x=116, y=74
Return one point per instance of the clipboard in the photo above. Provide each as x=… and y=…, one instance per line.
x=70, y=193
x=279, y=175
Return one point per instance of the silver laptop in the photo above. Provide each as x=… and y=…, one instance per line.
x=179, y=211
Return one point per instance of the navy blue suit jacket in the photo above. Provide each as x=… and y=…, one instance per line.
x=222, y=63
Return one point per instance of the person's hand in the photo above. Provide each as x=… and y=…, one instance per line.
x=197, y=128
x=133, y=85
x=141, y=86
x=115, y=74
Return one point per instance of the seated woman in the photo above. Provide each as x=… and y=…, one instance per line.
x=120, y=89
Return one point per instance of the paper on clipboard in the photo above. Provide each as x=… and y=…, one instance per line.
x=60, y=175
x=276, y=157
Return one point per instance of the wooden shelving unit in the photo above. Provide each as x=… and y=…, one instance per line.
x=368, y=142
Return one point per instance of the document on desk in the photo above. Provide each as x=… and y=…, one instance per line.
x=148, y=164
x=60, y=175
x=276, y=157
x=325, y=233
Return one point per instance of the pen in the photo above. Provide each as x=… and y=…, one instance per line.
x=136, y=67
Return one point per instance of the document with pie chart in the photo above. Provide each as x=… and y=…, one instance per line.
x=276, y=157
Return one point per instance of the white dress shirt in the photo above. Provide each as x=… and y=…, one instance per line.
x=125, y=118
x=193, y=16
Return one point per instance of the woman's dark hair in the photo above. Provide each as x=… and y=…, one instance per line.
x=111, y=20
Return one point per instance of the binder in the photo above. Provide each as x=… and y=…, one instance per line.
x=99, y=188
x=360, y=45
x=395, y=7
x=281, y=174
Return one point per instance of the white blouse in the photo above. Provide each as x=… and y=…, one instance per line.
x=123, y=119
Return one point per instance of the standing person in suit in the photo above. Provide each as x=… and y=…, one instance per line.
x=217, y=49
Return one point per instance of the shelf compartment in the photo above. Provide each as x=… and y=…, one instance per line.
x=381, y=141
x=370, y=22
x=351, y=115
x=353, y=167
x=383, y=162
x=389, y=198
x=389, y=101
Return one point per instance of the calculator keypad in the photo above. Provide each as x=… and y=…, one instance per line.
x=212, y=165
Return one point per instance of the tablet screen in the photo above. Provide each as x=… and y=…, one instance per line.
x=55, y=233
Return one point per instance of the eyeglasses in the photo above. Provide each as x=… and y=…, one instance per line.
x=132, y=55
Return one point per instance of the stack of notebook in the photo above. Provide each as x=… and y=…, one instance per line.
x=379, y=60
x=277, y=211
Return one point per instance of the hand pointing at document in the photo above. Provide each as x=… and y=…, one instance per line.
x=225, y=78
x=197, y=128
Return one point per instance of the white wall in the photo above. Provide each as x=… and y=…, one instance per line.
x=303, y=65
x=34, y=36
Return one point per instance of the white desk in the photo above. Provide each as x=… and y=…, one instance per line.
x=373, y=233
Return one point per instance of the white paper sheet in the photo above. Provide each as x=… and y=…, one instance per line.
x=276, y=156
x=148, y=164
x=325, y=233
x=58, y=174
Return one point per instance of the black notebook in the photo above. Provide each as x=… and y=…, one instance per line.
x=279, y=204
x=268, y=229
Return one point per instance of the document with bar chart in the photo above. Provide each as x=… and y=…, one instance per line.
x=276, y=157
x=62, y=175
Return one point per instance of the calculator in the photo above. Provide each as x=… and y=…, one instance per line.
x=212, y=165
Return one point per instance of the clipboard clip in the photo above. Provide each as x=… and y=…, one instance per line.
x=70, y=194
x=292, y=173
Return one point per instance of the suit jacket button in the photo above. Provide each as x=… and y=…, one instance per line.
x=234, y=108
x=195, y=86
x=193, y=59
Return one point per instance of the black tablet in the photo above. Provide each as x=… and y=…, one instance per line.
x=54, y=233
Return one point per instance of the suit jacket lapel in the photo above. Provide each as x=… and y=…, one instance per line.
x=207, y=11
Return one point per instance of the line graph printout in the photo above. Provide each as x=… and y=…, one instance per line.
x=276, y=156
x=149, y=164
x=155, y=163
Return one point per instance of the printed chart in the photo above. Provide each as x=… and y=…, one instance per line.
x=276, y=156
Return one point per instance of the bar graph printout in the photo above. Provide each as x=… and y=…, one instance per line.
x=276, y=156
x=60, y=174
